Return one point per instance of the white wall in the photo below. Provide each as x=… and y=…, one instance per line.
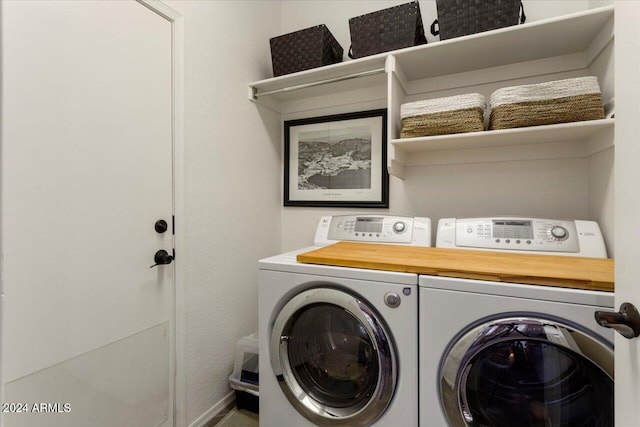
x=547, y=188
x=599, y=3
x=232, y=155
x=627, y=152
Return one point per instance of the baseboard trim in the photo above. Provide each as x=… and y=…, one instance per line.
x=214, y=410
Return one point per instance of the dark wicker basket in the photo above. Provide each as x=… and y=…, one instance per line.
x=458, y=18
x=388, y=29
x=304, y=49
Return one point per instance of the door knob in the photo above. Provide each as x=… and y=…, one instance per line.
x=626, y=322
x=161, y=226
x=162, y=257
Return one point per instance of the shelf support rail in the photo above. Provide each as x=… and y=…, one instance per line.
x=257, y=94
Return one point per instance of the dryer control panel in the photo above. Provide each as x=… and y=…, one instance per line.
x=551, y=236
x=414, y=231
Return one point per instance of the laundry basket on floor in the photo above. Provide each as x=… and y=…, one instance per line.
x=244, y=379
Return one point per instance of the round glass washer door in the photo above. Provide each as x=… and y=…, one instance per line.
x=527, y=372
x=333, y=358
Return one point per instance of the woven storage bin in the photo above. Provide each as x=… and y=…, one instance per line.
x=304, y=49
x=441, y=116
x=458, y=18
x=560, y=101
x=388, y=29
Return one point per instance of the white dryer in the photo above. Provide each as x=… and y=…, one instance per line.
x=338, y=346
x=504, y=354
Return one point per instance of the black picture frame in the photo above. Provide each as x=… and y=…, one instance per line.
x=337, y=161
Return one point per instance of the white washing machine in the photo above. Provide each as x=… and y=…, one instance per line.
x=505, y=354
x=338, y=346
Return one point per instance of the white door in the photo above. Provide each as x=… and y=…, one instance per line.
x=627, y=209
x=86, y=173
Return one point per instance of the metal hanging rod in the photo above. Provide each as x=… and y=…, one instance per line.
x=257, y=94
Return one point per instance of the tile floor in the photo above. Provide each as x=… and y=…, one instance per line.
x=233, y=417
x=239, y=418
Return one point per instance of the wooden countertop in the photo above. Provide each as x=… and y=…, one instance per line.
x=548, y=270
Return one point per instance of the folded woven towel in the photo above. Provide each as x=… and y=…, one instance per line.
x=439, y=105
x=544, y=91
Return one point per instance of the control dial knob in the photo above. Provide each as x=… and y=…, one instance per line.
x=399, y=227
x=559, y=233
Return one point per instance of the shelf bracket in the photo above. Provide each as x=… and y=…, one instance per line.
x=252, y=93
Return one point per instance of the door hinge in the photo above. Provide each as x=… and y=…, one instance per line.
x=173, y=224
x=174, y=253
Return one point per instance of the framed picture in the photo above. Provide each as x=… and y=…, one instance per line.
x=337, y=161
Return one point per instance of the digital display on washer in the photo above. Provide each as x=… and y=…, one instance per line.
x=512, y=229
x=368, y=225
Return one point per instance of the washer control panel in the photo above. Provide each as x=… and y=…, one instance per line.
x=374, y=229
x=556, y=236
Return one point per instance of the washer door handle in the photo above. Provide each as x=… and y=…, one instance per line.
x=626, y=322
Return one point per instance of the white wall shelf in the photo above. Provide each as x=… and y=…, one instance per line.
x=331, y=79
x=578, y=33
x=566, y=44
x=577, y=131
